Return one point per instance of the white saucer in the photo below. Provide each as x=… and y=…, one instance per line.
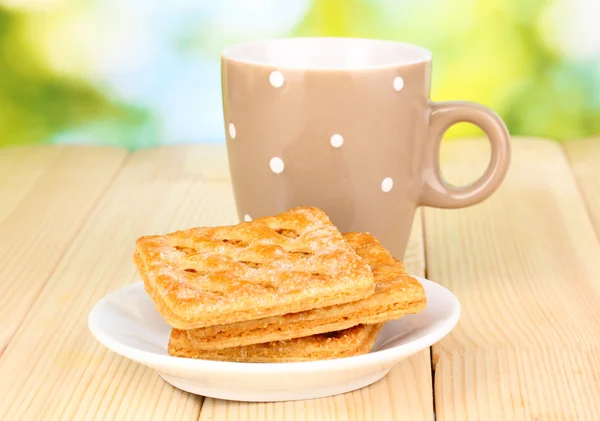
x=126, y=322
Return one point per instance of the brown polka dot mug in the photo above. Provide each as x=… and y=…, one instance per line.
x=345, y=125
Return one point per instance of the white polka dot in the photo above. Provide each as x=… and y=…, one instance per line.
x=337, y=140
x=276, y=79
x=232, y=130
x=276, y=165
x=387, y=184
x=247, y=218
x=398, y=83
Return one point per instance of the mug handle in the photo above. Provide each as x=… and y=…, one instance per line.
x=436, y=192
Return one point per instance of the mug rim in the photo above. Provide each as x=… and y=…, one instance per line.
x=405, y=53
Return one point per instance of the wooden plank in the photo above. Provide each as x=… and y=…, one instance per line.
x=206, y=162
x=524, y=265
x=584, y=157
x=56, y=368
x=47, y=192
x=20, y=168
x=404, y=394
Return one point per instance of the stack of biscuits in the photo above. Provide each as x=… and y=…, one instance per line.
x=283, y=288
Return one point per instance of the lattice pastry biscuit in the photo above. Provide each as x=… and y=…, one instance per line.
x=291, y=262
x=346, y=343
x=396, y=294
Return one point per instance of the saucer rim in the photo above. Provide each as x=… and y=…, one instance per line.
x=161, y=361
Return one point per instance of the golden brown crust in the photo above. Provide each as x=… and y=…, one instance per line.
x=396, y=294
x=291, y=262
x=354, y=341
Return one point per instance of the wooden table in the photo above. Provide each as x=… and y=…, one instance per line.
x=525, y=265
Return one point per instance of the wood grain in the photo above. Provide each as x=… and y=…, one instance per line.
x=584, y=157
x=46, y=194
x=20, y=168
x=401, y=395
x=524, y=265
x=56, y=368
x=404, y=394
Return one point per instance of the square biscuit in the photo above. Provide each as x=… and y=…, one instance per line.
x=291, y=262
x=346, y=343
x=396, y=294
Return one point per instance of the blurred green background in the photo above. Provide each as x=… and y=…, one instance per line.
x=138, y=73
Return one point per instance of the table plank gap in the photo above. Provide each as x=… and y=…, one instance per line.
x=524, y=265
x=584, y=157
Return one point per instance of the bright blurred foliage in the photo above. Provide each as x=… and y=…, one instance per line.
x=143, y=72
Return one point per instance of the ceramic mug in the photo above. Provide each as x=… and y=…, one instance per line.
x=345, y=125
